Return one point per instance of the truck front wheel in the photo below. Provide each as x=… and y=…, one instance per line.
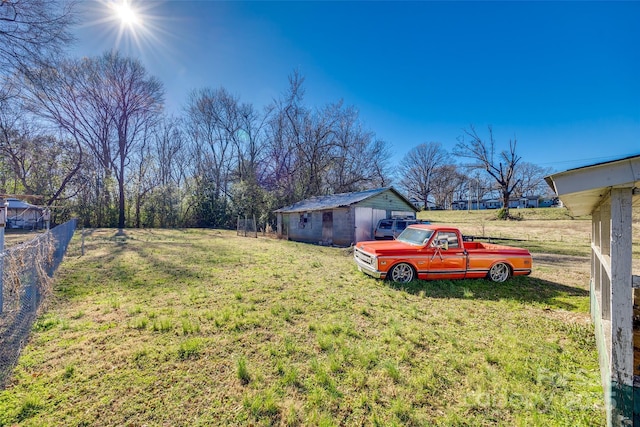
x=403, y=273
x=499, y=272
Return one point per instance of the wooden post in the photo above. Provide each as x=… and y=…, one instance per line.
x=605, y=265
x=621, y=306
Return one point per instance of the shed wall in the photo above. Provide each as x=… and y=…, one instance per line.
x=347, y=227
x=23, y=218
x=365, y=221
x=387, y=201
x=309, y=231
x=343, y=226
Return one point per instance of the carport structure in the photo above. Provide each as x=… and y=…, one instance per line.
x=610, y=193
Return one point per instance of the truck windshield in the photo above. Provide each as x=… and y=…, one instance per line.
x=415, y=236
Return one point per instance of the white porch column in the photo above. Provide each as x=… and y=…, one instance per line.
x=621, y=305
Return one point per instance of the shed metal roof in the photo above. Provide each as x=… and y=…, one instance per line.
x=339, y=200
x=582, y=189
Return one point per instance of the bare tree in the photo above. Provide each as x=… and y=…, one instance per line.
x=105, y=105
x=500, y=166
x=33, y=31
x=283, y=134
x=144, y=174
x=417, y=170
x=310, y=135
x=475, y=188
x=214, y=127
x=320, y=151
x=248, y=196
x=72, y=97
x=445, y=179
x=41, y=162
x=136, y=100
x=173, y=168
x=531, y=180
x=358, y=159
x=250, y=143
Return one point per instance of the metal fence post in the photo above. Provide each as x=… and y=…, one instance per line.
x=3, y=221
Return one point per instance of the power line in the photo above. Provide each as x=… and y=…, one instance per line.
x=591, y=159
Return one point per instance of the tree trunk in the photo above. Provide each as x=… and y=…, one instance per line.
x=121, y=206
x=505, y=203
x=137, y=214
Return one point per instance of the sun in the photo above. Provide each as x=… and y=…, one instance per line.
x=134, y=27
x=126, y=14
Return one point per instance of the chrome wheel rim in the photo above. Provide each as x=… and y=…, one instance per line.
x=499, y=272
x=402, y=273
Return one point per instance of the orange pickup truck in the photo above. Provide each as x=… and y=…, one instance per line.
x=432, y=252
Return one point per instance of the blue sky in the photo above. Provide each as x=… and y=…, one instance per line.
x=562, y=78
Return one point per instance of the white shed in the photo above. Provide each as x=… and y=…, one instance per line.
x=23, y=215
x=341, y=219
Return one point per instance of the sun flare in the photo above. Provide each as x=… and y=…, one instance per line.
x=133, y=27
x=126, y=13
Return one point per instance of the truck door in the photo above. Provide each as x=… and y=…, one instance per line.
x=449, y=263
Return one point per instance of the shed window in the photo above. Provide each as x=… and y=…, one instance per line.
x=305, y=219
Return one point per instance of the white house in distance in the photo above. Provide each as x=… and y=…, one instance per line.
x=23, y=215
x=610, y=193
x=341, y=219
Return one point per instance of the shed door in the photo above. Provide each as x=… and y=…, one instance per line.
x=366, y=220
x=327, y=227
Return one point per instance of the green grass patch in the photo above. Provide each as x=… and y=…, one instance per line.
x=191, y=348
x=202, y=327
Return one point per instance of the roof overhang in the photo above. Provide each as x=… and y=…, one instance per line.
x=583, y=189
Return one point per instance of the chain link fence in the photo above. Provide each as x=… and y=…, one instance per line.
x=247, y=227
x=27, y=272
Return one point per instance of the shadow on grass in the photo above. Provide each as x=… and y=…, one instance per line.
x=169, y=261
x=522, y=289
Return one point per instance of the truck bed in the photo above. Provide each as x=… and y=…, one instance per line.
x=477, y=246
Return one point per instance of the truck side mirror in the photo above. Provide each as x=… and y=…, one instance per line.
x=442, y=244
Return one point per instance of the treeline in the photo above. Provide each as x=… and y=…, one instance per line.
x=91, y=138
x=89, y=135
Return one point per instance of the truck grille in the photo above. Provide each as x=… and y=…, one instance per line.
x=363, y=257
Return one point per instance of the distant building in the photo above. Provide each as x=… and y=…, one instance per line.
x=23, y=215
x=524, y=202
x=420, y=204
x=516, y=203
x=341, y=219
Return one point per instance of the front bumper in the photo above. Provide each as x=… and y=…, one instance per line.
x=371, y=272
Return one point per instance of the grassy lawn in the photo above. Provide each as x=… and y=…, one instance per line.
x=201, y=327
